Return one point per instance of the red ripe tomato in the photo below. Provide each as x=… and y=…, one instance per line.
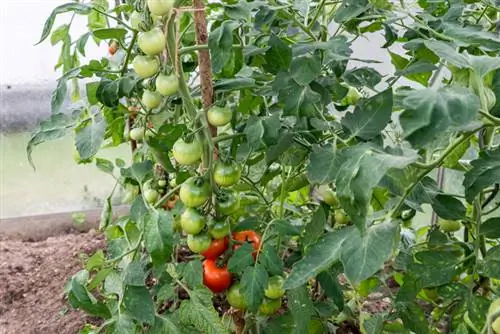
x=113, y=47
x=215, y=278
x=217, y=247
x=247, y=236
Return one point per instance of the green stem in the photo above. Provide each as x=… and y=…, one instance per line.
x=219, y=139
x=429, y=167
x=129, y=52
x=199, y=47
x=319, y=9
x=166, y=196
x=114, y=18
x=300, y=24
x=491, y=118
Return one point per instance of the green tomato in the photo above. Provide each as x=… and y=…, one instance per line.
x=192, y=221
x=269, y=306
x=226, y=174
x=145, y=66
x=160, y=7
x=152, y=42
x=198, y=243
x=136, y=134
x=162, y=183
x=187, y=153
x=431, y=293
x=135, y=20
x=151, y=99
x=341, y=218
x=194, y=192
x=495, y=325
x=219, y=116
x=274, y=288
x=167, y=85
x=450, y=225
x=176, y=226
x=329, y=196
x=219, y=229
x=227, y=202
x=151, y=195
x=494, y=306
x=235, y=298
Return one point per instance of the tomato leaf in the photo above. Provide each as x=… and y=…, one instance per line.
x=485, y=172
x=448, y=207
x=301, y=308
x=320, y=256
x=270, y=259
x=413, y=317
x=490, y=228
x=330, y=285
x=89, y=138
x=370, y=116
x=305, y=69
x=364, y=254
x=138, y=304
x=164, y=324
x=314, y=229
x=278, y=56
x=192, y=273
x=134, y=274
x=55, y=127
x=350, y=9
x=361, y=77
x=158, y=237
x=200, y=313
x=220, y=43
x=241, y=259
x=253, y=283
x=430, y=113
x=110, y=33
x=68, y=7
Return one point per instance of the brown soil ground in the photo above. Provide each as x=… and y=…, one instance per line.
x=32, y=278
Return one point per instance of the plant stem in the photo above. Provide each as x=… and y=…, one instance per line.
x=114, y=18
x=219, y=139
x=199, y=47
x=166, y=196
x=319, y=9
x=491, y=118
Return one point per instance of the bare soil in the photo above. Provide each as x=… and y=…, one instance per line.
x=32, y=278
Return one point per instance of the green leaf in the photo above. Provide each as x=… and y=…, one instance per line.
x=254, y=131
x=284, y=227
x=285, y=141
x=227, y=85
x=158, y=237
x=60, y=34
x=55, y=127
x=434, y=268
x=141, y=170
x=82, y=42
x=305, y=69
x=164, y=324
x=448, y=52
x=490, y=266
x=200, y=313
x=104, y=165
x=472, y=36
x=298, y=100
x=301, y=308
x=241, y=259
x=373, y=324
x=370, y=116
x=88, y=140
x=253, y=283
x=270, y=259
x=68, y=7
x=362, y=77
x=320, y=256
x=138, y=209
x=110, y=33
x=279, y=55
x=490, y=228
x=413, y=317
x=108, y=92
x=314, y=229
x=138, y=304
x=364, y=254
x=220, y=43
x=331, y=287
x=192, y=273
x=356, y=171
x=448, y=207
x=485, y=172
x=429, y=113
x=350, y=9
x=80, y=297
x=419, y=71
x=453, y=158
x=58, y=96
x=134, y=274
x=124, y=324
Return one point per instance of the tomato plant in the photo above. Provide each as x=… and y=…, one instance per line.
x=320, y=151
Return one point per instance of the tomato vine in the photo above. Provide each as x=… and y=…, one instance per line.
x=279, y=181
